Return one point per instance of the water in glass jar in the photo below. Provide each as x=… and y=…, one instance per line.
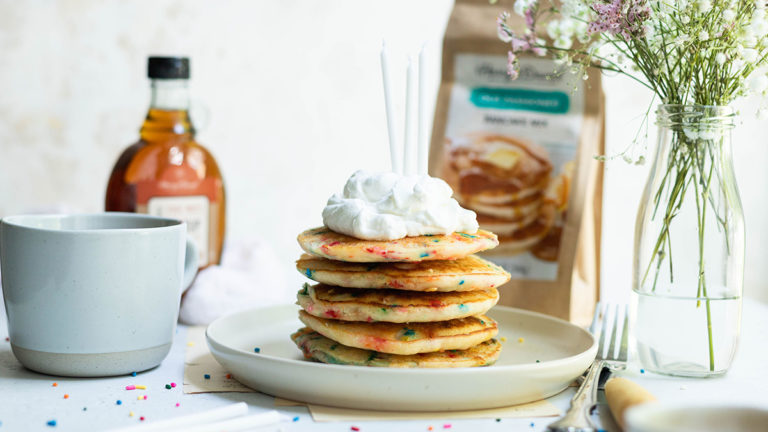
x=672, y=333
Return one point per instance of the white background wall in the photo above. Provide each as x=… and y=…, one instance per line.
x=294, y=94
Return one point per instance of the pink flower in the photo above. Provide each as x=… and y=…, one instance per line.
x=624, y=17
x=501, y=28
x=512, y=65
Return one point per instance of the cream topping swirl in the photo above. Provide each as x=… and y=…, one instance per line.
x=389, y=206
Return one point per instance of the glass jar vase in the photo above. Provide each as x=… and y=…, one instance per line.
x=689, y=247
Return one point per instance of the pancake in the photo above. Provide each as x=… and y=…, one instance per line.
x=514, y=210
x=528, y=236
x=328, y=244
x=405, y=339
x=371, y=305
x=498, y=163
x=318, y=347
x=503, y=196
x=506, y=227
x=464, y=274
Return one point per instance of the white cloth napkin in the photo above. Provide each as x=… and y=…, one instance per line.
x=250, y=275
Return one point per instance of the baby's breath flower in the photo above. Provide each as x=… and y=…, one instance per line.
x=720, y=58
x=729, y=15
x=758, y=83
x=749, y=55
x=704, y=6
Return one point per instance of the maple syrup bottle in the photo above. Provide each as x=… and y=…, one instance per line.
x=167, y=173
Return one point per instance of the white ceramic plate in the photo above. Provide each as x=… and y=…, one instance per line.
x=563, y=352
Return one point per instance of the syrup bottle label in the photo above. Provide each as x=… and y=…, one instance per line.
x=195, y=211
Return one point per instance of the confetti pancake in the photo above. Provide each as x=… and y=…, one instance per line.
x=464, y=274
x=405, y=339
x=318, y=347
x=328, y=244
x=369, y=305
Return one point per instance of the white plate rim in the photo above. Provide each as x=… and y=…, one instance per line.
x=492, y=369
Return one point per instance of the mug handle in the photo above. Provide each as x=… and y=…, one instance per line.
x=190, y=264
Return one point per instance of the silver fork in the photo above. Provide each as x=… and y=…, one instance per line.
x=577, y=417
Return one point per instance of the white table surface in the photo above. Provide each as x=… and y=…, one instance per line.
x=28, y=400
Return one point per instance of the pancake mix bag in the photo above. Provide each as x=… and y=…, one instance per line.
x=521, y=154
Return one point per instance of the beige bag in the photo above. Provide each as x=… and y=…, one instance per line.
x=520, y=153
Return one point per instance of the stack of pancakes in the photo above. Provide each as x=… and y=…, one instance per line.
x=412, y=302
x=509, y=183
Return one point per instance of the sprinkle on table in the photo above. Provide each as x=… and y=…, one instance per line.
x=168, y=386
x=7, y=339
x=130, y=387
x=257, y=350
x=130, y=413
x=141, y=418
x=532, y=424
x=85, y=408
x=178, y=404
x=133, y=374
x=54, y=385
x=190, y=344
x=498, y=420
x=430, y=428
x=642, y=371
x=66, y=396
x=141, y=387
x=207, y=376
x=503, y=339
x=295, y=419
x=118, y=402
x=521, y=340
x=51, y=423
x=447, y=426
x=173, y=384
x=229, y=376
x=354, y=428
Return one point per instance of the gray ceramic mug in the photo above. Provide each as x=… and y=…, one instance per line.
x=93, y=295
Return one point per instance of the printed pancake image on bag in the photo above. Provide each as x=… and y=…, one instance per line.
x=521, y=154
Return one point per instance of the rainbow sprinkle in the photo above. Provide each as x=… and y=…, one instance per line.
x=51, y=423
x=354, y=428
x=295, y=419
x=130, y=413
x=66, y=396
x=257, y=350
x=141, y=418
x=207, y=376
x=521, y=340
x=168, y=386
x=447, y=426
x=178, y=404
x=173, y=384
x=119, y=402
x=133, y=374
x=54, y=385
x=130, y=387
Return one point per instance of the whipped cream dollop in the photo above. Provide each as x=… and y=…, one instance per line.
x=389, y=206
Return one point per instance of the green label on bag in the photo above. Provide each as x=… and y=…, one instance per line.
x=550, y=102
